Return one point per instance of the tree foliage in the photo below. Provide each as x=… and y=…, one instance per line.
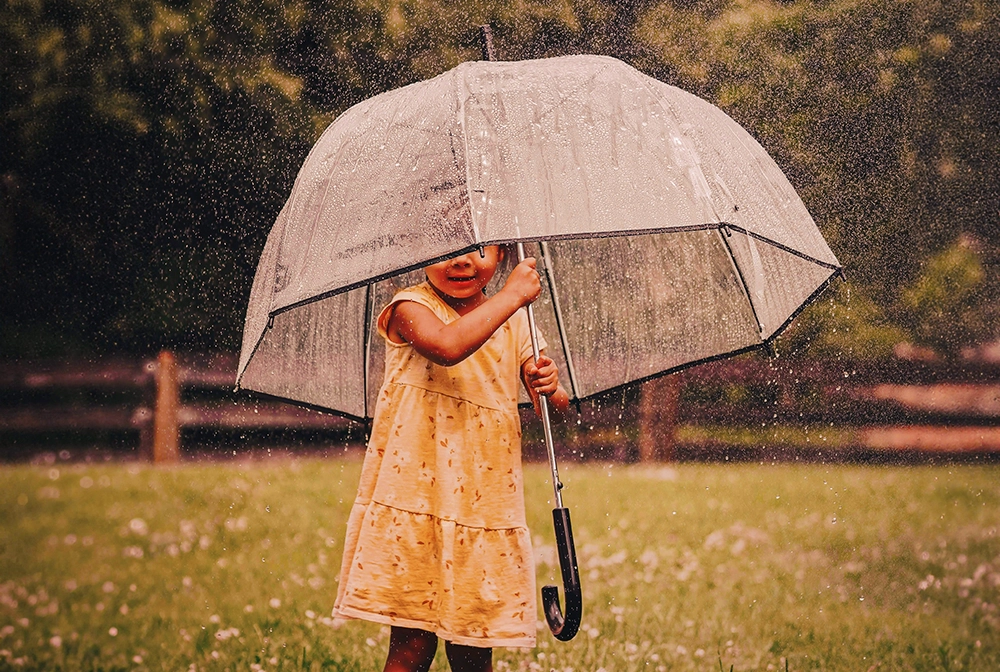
x=148, y=144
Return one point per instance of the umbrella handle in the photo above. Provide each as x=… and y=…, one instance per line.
x=564, y=626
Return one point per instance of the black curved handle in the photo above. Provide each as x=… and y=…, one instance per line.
x=564, y=626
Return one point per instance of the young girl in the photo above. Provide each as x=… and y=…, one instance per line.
x=437, y=544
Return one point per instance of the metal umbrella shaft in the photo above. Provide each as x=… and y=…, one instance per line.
x=564, y=626
x=543, y=402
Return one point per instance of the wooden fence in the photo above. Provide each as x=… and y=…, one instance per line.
x=155, y=409
x=165, y=407
x=858, y=410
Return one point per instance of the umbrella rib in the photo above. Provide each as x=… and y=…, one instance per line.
x=724, y=236
x=560, y=324
x=812, y=297
x=256, y=347
x=780, y=246
x=366, y=340
x=465, y=146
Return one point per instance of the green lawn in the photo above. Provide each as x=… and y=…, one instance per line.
x=687, y=567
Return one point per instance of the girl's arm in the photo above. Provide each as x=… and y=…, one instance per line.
x=449, y=344
x=541, y=377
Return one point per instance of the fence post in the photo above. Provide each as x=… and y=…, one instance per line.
x=142, y=415
x=166, y=428
x=658, y=419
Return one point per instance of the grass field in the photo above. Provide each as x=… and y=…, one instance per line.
x=219, y=566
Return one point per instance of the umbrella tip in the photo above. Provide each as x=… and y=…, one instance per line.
x=486, y=35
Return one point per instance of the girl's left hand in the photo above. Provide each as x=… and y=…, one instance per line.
x=542, y=375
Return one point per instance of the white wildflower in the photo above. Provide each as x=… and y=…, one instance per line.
x=223, y=635
x=715, y=540
x=237, y=524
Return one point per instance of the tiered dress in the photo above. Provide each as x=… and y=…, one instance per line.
x=437, y=537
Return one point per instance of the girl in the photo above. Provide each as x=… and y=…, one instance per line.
x=437, y=543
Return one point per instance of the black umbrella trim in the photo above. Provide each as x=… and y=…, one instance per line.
x=720, y=226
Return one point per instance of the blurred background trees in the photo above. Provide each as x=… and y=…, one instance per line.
x=146, y=146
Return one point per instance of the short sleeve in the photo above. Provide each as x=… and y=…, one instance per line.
x=523, y=332
x=416, y=294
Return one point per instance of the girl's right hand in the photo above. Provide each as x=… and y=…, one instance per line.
x=524, y=282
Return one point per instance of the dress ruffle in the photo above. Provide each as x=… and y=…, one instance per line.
x=471, y=586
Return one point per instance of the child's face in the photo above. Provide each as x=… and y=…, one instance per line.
x=465, y=276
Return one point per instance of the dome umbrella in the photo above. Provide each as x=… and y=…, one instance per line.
x=665, y=234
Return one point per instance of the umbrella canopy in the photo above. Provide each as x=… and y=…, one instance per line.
x=668, y=234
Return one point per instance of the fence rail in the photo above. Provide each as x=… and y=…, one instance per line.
x=120, y=401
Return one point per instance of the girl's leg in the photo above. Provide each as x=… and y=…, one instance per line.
x=410, y=650
x=469, y=658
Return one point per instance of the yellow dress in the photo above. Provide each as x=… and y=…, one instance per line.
x=437, y=537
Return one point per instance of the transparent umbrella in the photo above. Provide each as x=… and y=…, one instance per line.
x=667, y=235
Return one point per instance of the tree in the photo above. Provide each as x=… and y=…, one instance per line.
x=950, y=305
x=879, y=112
x=149, y=144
